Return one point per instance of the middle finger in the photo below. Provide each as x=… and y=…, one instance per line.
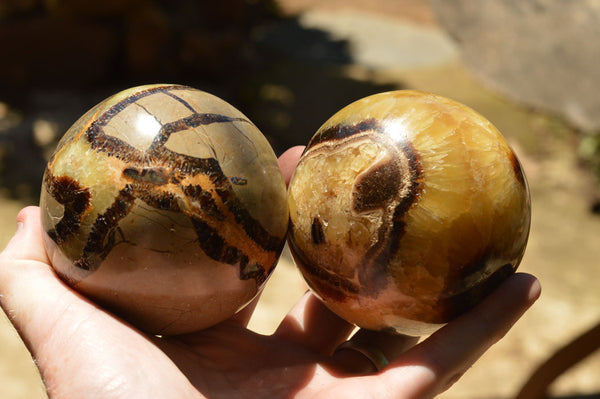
x=312, y=325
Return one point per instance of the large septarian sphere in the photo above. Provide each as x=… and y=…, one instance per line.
x=406, y=209
x=166, y=205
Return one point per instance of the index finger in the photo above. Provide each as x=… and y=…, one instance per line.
x=441, y=359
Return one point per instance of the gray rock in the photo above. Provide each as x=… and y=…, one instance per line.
x=382, y=43
x=544, y=53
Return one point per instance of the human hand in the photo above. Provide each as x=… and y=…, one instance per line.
x=84, y=351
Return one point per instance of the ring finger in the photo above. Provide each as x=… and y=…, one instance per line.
x=370, y=351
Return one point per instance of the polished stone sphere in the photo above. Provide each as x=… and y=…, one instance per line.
x=165, y=205
x=407, y=209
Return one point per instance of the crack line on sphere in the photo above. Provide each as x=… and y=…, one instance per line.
x=180, y=100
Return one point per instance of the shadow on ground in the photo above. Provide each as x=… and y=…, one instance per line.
x=289, y=82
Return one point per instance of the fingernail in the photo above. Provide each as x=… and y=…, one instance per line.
x=20, y=226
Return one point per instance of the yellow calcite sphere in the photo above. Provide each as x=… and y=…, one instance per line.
x=165, y=205
x=407, y=209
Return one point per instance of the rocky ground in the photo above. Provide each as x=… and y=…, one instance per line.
x=397, y=44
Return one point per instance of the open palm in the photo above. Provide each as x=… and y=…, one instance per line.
x=84, y=351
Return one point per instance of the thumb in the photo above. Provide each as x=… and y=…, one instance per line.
x=28, y=241
x=80, y=350
x=30, y=292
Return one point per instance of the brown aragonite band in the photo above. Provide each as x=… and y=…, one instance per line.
x=146, y=182
x=158, y=179
x=388, y=186
x=406, y=209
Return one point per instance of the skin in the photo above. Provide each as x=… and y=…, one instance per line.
x=83, y=351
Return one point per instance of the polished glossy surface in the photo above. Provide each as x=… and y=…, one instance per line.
x=406, y=209
x=166, y=205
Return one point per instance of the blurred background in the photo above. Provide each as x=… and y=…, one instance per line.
x=530, y=66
